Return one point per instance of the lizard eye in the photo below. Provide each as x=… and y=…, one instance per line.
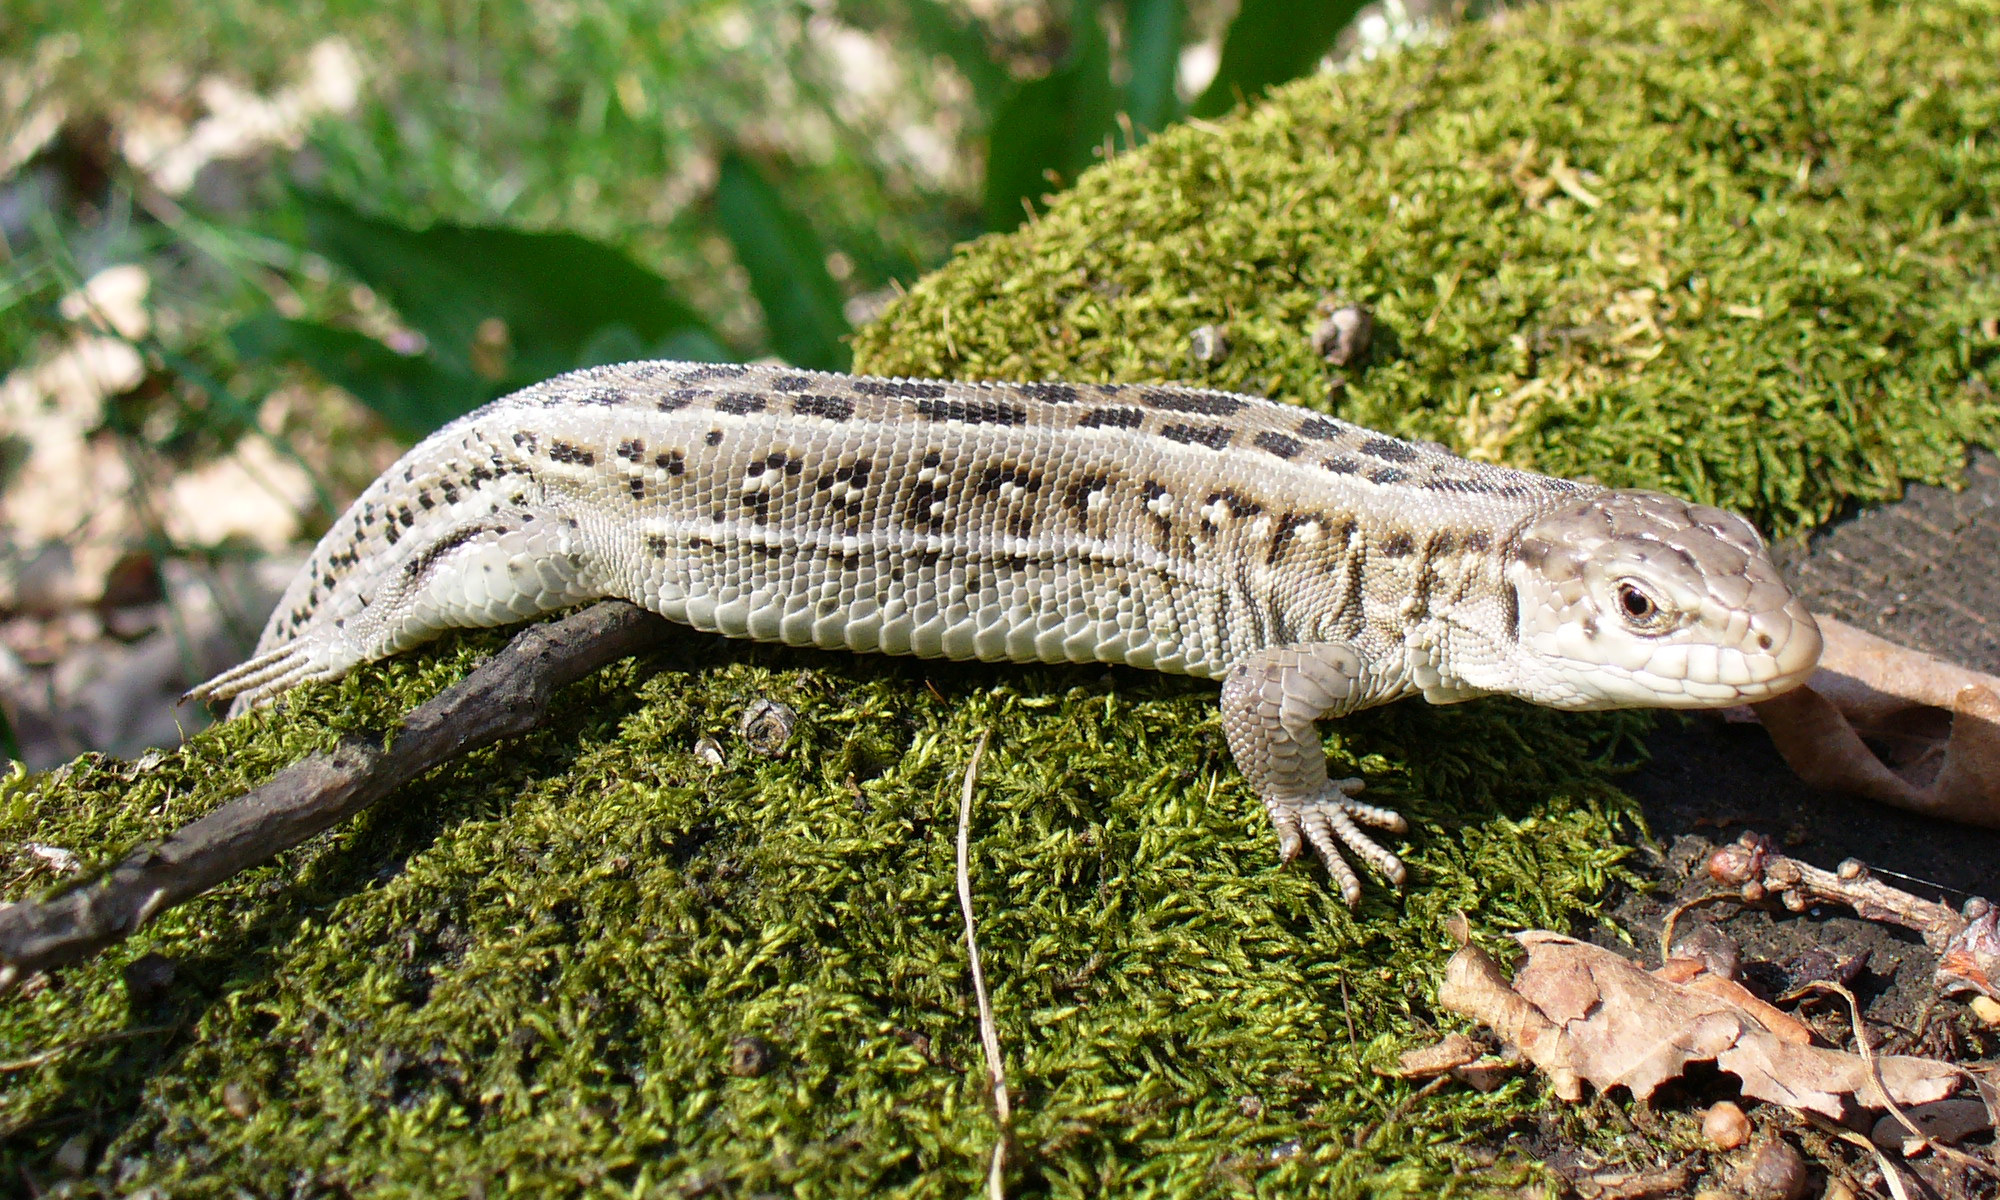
x=1640, y=610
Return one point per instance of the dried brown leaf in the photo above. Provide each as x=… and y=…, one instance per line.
x=1941, y=720
x=1583, y=1013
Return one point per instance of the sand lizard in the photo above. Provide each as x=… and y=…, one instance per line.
x=1313, y=566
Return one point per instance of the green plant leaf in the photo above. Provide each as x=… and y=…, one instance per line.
x=551, y=292
x=786, y=262
x=1269, y=42
x=1153, y=33
x=412, y=392
x=1050, y=124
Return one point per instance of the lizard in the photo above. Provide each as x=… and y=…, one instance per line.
x=1314, y=567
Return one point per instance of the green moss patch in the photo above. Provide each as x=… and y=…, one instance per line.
x=1742, y=253
x=1745, y=252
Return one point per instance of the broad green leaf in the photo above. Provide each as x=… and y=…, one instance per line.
x=1050, y=124
x=549, y=292
x=787, y=266
x=1269, y=42
x=1153, y=32
x=412, y=392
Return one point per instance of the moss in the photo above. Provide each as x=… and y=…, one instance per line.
x=1741, y=251
x=530, y=971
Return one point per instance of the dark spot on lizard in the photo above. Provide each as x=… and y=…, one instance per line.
x=1320, y=429
x=1050, y=393
x=972, y=412
x=1389, y=450
x=1278, y=444
x=923, y=498
x=1215, y=437
x=995, y=478
x=1207, y=404
x=563, y=452
x=1398, y=545
x=1387, y=475
x=631, y=449
x=673, y=462
x=1077, y=497
x=1287, y=533
x=833, y=408
x=1117, y=418
x=719, y=371
x=791, y=383
x=1478, y=542
x=907, y=389
x=679, y=398
x=657, y=545
x=740, y=403
x=714, y=437
x=637, y=483
x=1339, y=465
x=422, y=563
x=525, y=440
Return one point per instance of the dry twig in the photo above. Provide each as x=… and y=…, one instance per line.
x=507, y=695
x=1966, y=942
x=989, y=1033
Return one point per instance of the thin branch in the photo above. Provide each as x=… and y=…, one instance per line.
x=1966, y=942
x=989, y=1034
x=508, y=695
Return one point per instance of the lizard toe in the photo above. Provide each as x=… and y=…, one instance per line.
x=1326, y=838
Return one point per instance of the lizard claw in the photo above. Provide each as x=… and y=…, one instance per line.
x=1327, y=821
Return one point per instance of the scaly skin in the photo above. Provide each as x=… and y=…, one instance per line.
x=1313, y=566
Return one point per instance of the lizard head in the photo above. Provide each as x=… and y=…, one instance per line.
x=1639, y=600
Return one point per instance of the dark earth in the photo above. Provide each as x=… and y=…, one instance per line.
x=1920, y=572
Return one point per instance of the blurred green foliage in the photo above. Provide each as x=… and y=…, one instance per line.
x=530, y=189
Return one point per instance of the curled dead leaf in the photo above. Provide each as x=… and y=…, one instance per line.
x=1941, y=722
x=1584, y=1014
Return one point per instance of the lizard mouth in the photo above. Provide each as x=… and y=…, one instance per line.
x=1774, y=652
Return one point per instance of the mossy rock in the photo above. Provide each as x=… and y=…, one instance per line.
x=1740, y=252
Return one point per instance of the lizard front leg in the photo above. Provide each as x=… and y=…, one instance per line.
x=1271, y=702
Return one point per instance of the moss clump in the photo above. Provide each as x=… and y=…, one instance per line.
x=1745, y=252
x=587, y=962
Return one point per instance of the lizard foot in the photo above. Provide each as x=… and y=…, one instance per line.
x=1328, y=821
